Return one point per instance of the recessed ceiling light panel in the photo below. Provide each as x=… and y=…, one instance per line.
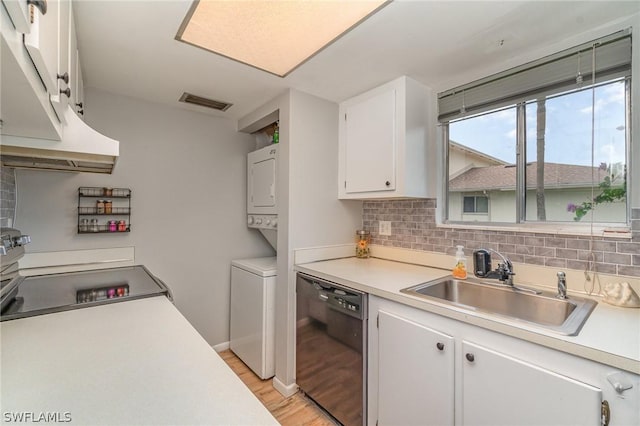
x=275, y=36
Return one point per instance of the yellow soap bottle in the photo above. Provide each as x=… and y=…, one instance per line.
x=459, y=271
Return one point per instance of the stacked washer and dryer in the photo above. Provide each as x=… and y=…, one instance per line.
x=253, y=281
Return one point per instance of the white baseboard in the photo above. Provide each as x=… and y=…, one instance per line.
x=285, y=390
x=221, y=347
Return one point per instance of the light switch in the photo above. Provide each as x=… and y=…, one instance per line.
x=384, y=227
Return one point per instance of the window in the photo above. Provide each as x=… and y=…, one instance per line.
x=475, y=204
x=546, y=142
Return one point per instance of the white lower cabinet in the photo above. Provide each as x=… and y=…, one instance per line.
x=426, y=369
x=500, y=390
x=407, y=390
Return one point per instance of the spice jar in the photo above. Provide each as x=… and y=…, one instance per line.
x=363, y=239
x=94, y=225
x=112, y=226
x=122, y=226
x=108, y=204
x=100, y=207
x=107, y=192
x=84, y=225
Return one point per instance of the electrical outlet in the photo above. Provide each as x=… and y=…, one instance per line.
x=384, y=228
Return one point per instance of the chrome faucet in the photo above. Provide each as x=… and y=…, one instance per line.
x=504, y=273
x=562, y=285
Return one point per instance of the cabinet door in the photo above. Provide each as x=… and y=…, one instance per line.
x=60, y=100
x=415, y=373
x=42, y=45
x=370, y=138
x=19, y=12
x=72, y=59
x=500, y=390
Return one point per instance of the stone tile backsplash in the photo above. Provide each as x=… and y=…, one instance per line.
x=413, y=227
x=7, y=196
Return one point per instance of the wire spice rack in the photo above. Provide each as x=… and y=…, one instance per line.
x=104, y=210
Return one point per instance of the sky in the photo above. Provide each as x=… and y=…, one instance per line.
x=568, y=129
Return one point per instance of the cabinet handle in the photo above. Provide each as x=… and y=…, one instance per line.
x=440, y=346
x=79, y=104
x=470, y=357
x=387, y=183
x=40, y=4
x=81, y=111
x=66, y=91
x=64, y=77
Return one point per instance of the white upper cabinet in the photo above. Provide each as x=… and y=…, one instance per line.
x=387, y=143
x=48, y=46
x=18, y=11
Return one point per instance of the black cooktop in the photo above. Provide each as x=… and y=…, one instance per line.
x=44, y=294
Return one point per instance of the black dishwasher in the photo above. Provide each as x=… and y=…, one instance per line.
x=331, y=347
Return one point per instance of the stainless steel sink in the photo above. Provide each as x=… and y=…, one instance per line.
x=540, y=310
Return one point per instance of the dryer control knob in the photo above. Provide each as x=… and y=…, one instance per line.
x=274, y=222
x=250, y=220
x=258, y=221
x=267, y=222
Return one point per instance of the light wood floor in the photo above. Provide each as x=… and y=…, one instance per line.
x=295, y=410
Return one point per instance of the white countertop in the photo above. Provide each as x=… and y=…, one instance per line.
x=610, y=336
x=135, y=362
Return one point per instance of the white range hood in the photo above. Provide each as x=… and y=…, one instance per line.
x=81, y=149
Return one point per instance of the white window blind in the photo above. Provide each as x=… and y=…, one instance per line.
x=553, y=74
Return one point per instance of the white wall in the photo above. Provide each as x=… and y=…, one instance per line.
x=187, y=172
x=316, y=216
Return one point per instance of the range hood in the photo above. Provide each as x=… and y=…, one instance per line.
x=81, y=149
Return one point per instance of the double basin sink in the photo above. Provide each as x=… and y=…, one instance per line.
x=544, y=310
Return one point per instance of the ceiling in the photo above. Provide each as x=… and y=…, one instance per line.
x=129, y=48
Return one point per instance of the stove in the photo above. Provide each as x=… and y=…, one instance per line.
x=22, y=297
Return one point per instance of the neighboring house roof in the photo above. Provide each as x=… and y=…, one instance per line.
x=470, y=151
x=504, y=177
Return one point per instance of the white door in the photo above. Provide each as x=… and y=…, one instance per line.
x=371, y=144
x=415, y=373
x=500, y=390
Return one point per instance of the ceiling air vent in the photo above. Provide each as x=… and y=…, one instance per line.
x=204, y=102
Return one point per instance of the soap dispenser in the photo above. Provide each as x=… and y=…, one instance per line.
x=460, y=269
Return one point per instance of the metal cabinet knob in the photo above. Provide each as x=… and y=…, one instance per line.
x=387, y=183
x=79, y=104
x=470, y=357
x=81, y=111
x=64, y=77
x=440, y=346
x=66, y=91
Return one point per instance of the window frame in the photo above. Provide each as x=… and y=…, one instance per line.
x=521, y=160
x=475, y=204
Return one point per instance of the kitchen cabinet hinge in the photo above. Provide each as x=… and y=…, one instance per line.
x=606, y=413
x=377, y=326
x=345, y=117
